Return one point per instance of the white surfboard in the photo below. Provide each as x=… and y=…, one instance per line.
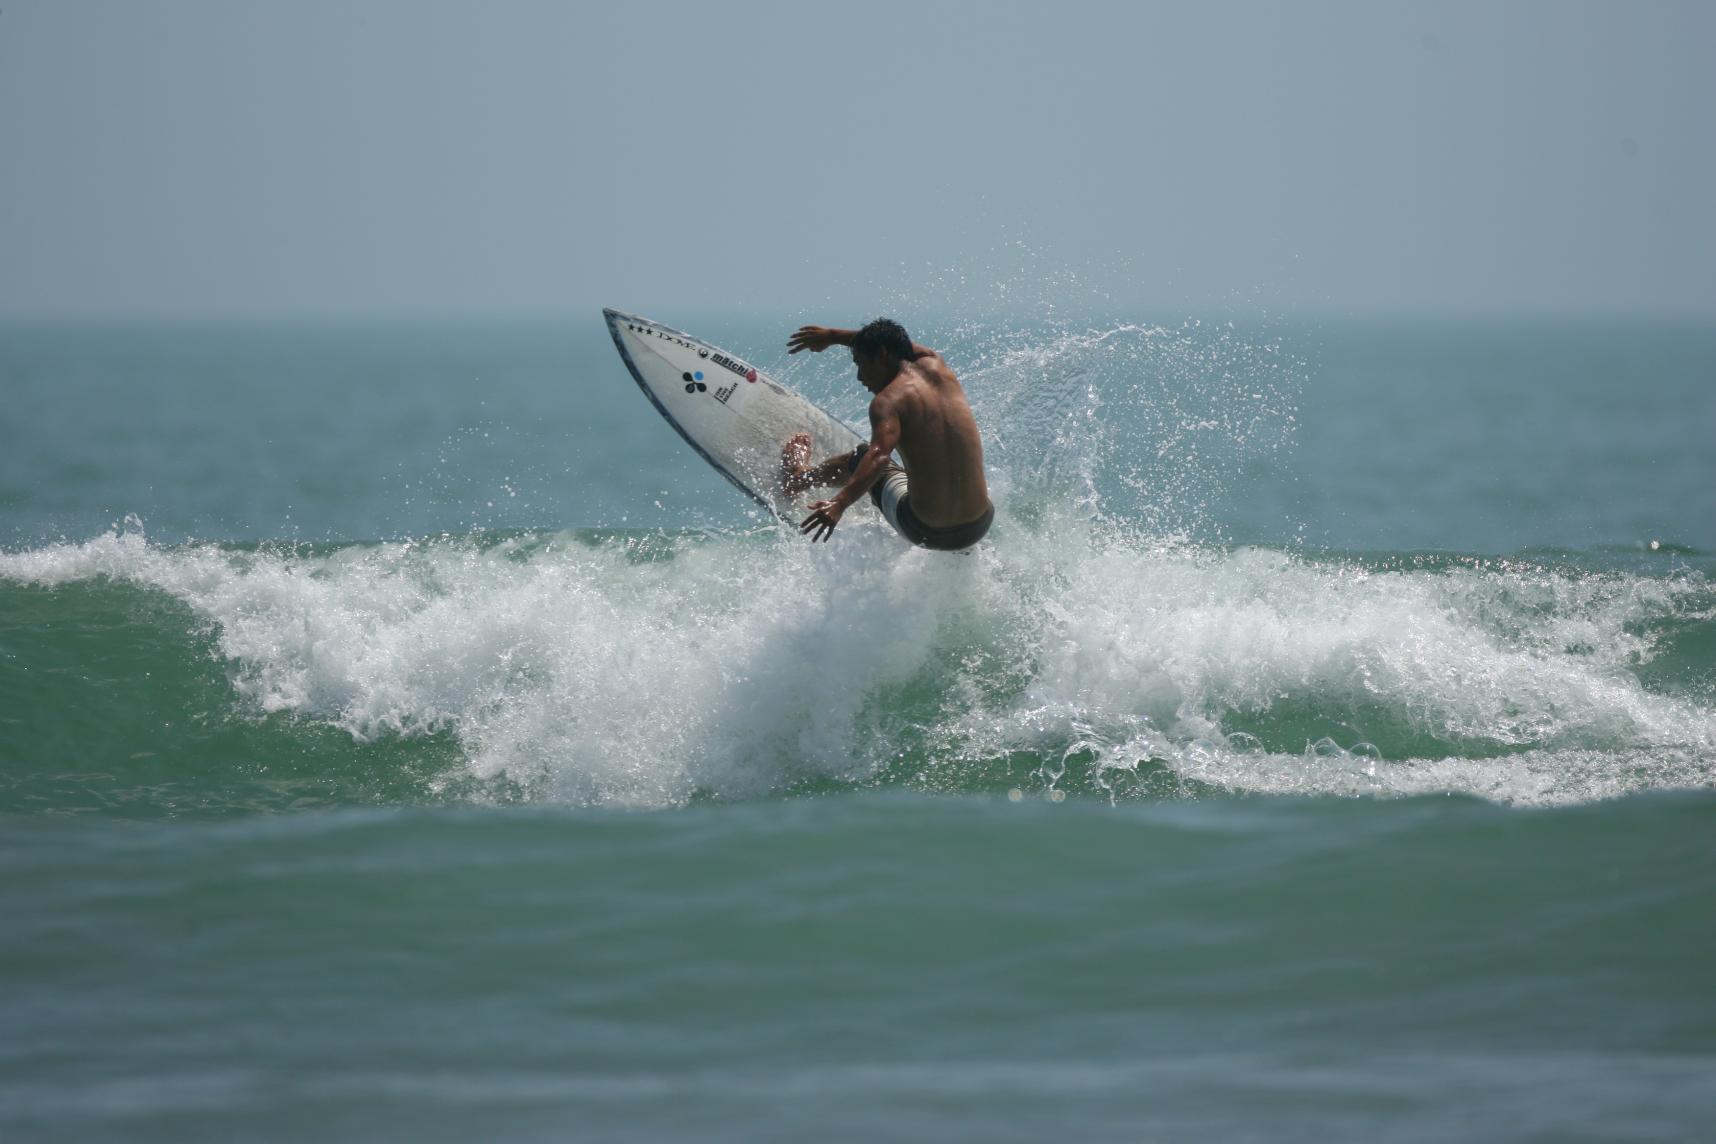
x=733, y=414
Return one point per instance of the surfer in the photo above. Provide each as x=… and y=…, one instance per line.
x=940, y=499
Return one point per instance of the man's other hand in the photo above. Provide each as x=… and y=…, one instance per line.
x=824, y=515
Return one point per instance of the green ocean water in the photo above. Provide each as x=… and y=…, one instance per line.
x=403, y=735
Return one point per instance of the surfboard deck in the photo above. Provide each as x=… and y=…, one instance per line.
x=733, y=414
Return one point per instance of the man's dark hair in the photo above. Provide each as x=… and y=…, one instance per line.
x=883, y=334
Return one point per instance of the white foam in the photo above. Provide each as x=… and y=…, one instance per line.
x=739, y=664
x=1148, y=653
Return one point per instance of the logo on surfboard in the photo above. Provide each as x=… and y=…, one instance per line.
x=694, y=382
x=737, y=367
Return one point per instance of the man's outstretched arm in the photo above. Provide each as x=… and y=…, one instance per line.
x=818, y=338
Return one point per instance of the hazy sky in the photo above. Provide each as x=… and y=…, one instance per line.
x=429, y=158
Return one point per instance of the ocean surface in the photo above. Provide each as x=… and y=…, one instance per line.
x=404, y=736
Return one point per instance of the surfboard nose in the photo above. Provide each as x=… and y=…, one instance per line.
x=625, y=328
x=620, y=323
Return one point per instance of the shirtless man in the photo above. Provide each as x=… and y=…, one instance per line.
x=918, y=409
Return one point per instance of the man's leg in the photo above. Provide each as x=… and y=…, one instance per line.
x=797, y=473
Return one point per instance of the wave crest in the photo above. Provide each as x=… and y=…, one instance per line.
x=647, y=670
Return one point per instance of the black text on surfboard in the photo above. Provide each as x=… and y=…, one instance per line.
x=737, y=367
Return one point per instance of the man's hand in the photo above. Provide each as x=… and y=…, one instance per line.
x=824, y=515
x=815, y=339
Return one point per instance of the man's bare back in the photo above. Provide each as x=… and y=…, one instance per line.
x=919, y=409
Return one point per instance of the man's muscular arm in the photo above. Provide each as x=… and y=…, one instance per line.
x=884, y=437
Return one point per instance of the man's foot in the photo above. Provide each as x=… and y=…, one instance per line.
x=795, y=461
